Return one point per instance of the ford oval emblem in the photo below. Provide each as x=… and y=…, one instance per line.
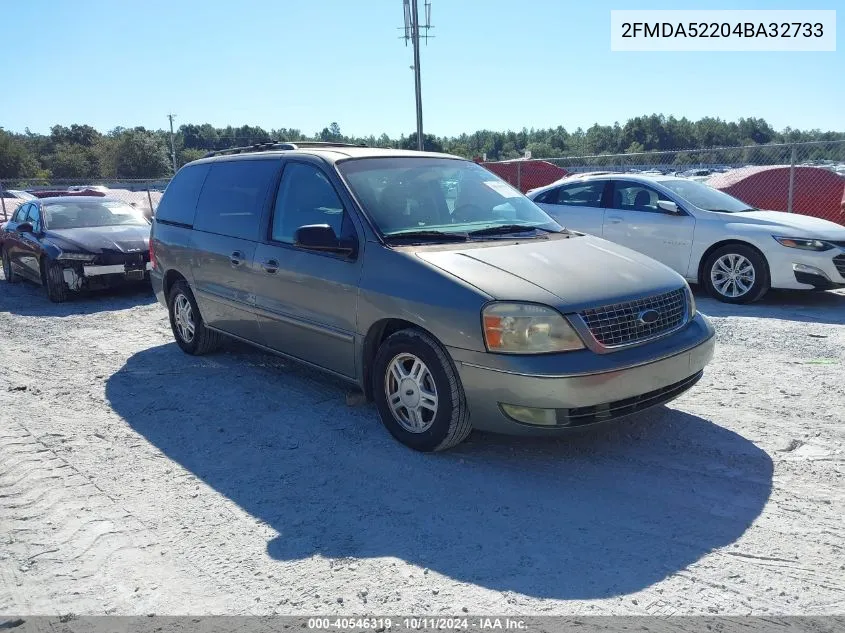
x=648, y=317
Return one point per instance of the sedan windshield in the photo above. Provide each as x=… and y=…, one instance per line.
x=83, y=214
x=705, y=197
x=440, y=198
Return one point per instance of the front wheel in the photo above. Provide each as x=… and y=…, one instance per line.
x=10, y=275
x=54, y=281
x=736, y=273
x=418, y=392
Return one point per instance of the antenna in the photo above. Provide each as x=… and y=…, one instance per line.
x=412, y=33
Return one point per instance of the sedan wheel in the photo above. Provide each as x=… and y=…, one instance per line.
x=736, y=273
x=8, y=273
x=732, y=275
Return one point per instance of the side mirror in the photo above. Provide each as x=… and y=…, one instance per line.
x=321, y=237
x=24, y=227
x=666, y=205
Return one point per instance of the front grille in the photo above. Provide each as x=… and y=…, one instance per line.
x=130, y=260
x=839, y=262
x=581, y=416
x=619, y=324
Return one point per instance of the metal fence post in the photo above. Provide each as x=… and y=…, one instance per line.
x=519, y=176
x=150, y=199
x=3, y=201
x=791, y=179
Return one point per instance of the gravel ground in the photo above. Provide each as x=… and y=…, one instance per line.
x=136, y=479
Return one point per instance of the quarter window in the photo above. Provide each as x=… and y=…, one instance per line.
x=305, y=197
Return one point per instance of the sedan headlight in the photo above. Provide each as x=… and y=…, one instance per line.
x=526, y=328
x=804, y=243
x=77, y=257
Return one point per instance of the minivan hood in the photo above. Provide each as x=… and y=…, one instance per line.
x=95, y=239
x=807, y=225
x=571, y=274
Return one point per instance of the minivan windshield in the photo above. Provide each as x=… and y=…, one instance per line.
x=705, y=197
x=441, y=199
x=83, y=214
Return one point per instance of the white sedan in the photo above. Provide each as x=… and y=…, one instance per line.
x=736, y=252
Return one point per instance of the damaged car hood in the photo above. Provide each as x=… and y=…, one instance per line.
x=96, y=239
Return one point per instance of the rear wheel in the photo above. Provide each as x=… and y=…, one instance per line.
x=10, y=275
x=189, y=329
x=736, y=273
x=54, y=281
x=418, y=392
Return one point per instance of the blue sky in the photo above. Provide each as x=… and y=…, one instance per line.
x=493, y=64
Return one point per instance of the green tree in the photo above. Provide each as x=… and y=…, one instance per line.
x=73, y=161
x=134, y=154
x=430, y=143
x=15, y=160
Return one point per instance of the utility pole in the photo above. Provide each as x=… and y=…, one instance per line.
x=412, y=32
x=172, y=142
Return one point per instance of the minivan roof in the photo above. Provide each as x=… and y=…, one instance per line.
x=330, y=154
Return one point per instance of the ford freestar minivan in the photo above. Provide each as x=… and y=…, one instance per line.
x=451, y=299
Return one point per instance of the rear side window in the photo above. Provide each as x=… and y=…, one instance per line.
x=233, y=197
x=579, y=194
x=179, y=202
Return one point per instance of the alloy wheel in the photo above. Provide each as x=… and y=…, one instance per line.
x=411, y=393
x=183, y=315
x=732, y=275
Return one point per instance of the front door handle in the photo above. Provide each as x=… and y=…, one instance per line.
x=270, y=266
x=236, y=258
x=614, y=219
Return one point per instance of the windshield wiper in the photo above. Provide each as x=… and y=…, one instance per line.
x=503, y=229
x=428, y=235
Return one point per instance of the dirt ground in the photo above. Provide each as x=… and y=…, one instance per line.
x=135, y=479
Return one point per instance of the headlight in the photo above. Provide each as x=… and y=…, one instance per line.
x=691, y=302
x=78, y=257
x=803, y=243
x=525, y=328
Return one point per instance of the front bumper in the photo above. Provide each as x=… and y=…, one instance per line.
x=584, y=388
x=792, y=269
x=92, y=275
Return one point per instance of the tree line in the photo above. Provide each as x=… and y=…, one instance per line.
x=82, y=152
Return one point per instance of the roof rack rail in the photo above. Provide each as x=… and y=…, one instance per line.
x=271, y=145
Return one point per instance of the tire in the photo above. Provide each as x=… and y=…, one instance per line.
x=54, y=281
x=733, y=258
x=10, y=275
x=201, y=340
x=445, y=426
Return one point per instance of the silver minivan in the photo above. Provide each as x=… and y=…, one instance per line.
x=442, y=292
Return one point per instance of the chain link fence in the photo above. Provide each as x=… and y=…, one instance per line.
x=805, y=178
x=141, y=194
